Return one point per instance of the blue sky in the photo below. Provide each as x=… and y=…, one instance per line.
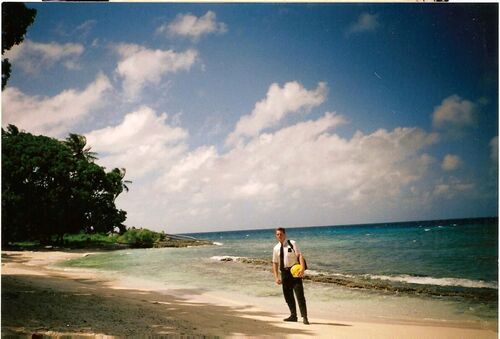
x=240, y=116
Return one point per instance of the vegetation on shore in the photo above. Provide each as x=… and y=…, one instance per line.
x=52, y=187
x=132, y=238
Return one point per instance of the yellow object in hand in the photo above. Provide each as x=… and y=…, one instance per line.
x=295, y=270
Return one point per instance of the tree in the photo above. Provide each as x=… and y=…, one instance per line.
x=48, y=189
x=117, y=175
x=16, y=18
x=34, y=179
x=77, y=145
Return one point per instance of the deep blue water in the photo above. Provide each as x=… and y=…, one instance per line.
x=462, y=250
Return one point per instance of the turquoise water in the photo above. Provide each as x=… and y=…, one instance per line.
x=447, y=271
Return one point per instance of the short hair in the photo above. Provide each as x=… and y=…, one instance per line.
x=280, y=229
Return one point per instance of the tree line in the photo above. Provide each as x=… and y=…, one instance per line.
x=52, y=187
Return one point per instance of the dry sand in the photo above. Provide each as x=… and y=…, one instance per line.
x=38, y=299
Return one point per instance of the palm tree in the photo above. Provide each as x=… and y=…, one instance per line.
x=77, y=145
x=119, y=174
x=123, y=171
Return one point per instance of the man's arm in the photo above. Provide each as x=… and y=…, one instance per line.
x=302, y=265
x=300, y=274
x=276, y=273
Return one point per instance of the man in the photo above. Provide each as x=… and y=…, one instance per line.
x=284, y=257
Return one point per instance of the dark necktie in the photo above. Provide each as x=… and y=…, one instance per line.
x=282, y=259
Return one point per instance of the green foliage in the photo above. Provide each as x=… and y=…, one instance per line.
x=82, y=240
x=16, y=18
x=140, y=237
x=77, y=145
x=48, y=190
x=6, y=70
x=27, y=245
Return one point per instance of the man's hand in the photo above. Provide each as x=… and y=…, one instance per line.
x=278, y=281
x=300, y=274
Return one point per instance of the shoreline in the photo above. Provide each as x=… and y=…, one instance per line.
x=44, y=300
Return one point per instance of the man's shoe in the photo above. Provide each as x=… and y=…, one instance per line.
x=306, y=322
x=291, y=318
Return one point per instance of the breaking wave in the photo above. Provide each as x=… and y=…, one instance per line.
x=438, y=281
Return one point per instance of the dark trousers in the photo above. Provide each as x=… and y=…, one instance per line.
x=291, y=285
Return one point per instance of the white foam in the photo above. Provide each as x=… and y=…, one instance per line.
x=224, y=258
x=314, y=272
x=326, y=273
x=217, y=243
x=438, y=281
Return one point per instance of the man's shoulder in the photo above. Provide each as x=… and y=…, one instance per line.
x=277, y=246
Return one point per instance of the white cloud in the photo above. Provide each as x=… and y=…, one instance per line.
x=143, y=141
x=191, y=26
x=297, y=168
x=33, y=57
x=279, y=102
x=366, y=23
x=53, y=116
x=140, y=66
x=275, y=175
x=451, y=162
x=84, y=29
x=452, y=188
x=455, y=113
x=441, y=189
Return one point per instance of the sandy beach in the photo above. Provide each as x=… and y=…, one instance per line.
x=40, y=299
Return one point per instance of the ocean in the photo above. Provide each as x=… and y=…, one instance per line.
x=441, y=271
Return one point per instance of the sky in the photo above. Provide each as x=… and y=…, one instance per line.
x=250, y=116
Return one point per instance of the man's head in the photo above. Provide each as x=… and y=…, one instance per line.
x=280, y=233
